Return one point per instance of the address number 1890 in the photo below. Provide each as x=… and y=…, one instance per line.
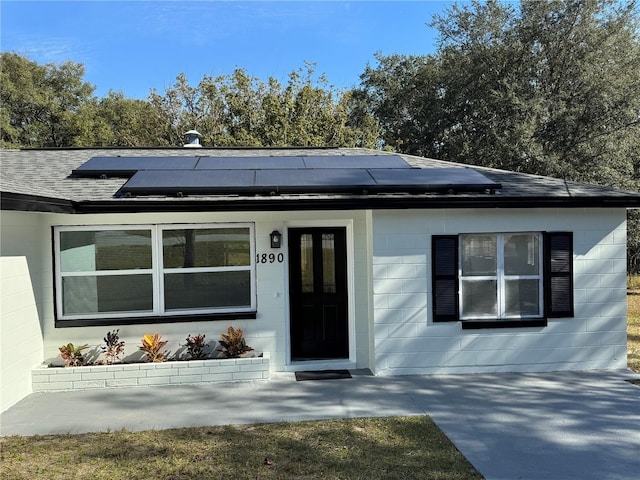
x=269, y=258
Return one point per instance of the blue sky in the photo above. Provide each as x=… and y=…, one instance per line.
x=134, y=46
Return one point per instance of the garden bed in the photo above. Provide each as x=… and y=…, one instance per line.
x=189, y=372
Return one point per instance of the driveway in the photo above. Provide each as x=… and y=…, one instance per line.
x=563, y=426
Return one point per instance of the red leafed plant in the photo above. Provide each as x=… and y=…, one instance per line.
x=113, y=347
x=72, y=355
x=195, y=346
x=233, y=342
x=152, y=345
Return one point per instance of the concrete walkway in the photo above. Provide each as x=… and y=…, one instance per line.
x=549, y=426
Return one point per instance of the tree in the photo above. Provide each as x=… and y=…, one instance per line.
x=116, y=121
x=550, y=88
x=51, y=106
x=39, y=104
x=241, y=110
x=402, y=93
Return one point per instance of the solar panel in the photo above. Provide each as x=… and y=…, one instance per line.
x=284, y=181
x=248, y=163
x=432, y=179
x=170, y=182
x=127, y=166
x=355, y=174
x=355, y=161
x=313, y=180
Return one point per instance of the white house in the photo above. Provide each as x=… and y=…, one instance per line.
x=328, y=258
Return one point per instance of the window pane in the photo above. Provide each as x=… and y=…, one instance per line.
x=184, y=291
x=90, y=251
x=479, y=255
x=522, y=297
x=328, y=263
x=306, y=262
x=206, y=247
x=521, y=254
x=105, y=294
x=479, y=298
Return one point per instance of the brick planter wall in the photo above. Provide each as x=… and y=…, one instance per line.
x=50, y=379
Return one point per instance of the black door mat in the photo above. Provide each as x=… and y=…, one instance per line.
x=322, y=375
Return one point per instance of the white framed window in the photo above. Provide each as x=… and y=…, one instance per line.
x=116, y=271
x=501, y=276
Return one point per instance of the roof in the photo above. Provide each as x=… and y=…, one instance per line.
x=42, y=180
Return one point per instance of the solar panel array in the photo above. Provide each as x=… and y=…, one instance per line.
x=256, y=175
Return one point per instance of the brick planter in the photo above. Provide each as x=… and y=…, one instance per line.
x=192, y=372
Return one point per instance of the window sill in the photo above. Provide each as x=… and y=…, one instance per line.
x=206, y=317
x=495, y=323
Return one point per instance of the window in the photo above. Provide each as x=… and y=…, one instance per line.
x=506, y=279
x=110, y=272
x=500, y=276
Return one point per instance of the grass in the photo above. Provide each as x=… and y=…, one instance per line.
x=399, y=447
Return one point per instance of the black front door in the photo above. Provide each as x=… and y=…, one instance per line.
x=318, y=293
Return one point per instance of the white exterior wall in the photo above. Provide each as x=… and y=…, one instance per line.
x=269, y=332
x=408, y=342
x=21, y=345
x=21, y=235
x=390, y=290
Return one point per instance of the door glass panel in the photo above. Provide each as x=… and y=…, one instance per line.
x=328, y=263
x=306, y=262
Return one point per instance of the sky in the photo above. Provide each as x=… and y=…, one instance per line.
x=135, y=46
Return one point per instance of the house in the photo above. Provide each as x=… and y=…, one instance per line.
x=328, y=258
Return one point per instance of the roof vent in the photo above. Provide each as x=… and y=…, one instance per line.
x=192, y=137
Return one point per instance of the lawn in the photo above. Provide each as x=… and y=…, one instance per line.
x=399, y=447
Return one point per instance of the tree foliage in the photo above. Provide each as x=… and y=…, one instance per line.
x=51, y=106
x=241, y=110
x=550, y=88
x=39, y=103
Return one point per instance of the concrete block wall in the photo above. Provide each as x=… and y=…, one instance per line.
x=408, y=342
x=21, y=344
x=268, y=332
x=192, y=372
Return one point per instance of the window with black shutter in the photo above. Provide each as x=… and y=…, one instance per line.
x=502, y=280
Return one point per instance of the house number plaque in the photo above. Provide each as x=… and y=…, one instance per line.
x=269, y=258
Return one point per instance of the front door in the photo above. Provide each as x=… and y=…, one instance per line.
x=318, y=293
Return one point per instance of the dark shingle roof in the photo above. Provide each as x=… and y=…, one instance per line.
x=40, y=180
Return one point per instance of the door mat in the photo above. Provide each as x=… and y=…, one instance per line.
x=322, y=375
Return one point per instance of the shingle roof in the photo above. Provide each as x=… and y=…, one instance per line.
x=40, y=180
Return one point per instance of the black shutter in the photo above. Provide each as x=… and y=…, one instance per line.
x=444, y=270
x=558, y=274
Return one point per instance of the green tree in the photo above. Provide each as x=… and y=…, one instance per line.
x=116, y=121
x=51, y=106
x=241, y=110
x=39, y=103
x=549, y=87
x=552, y=88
